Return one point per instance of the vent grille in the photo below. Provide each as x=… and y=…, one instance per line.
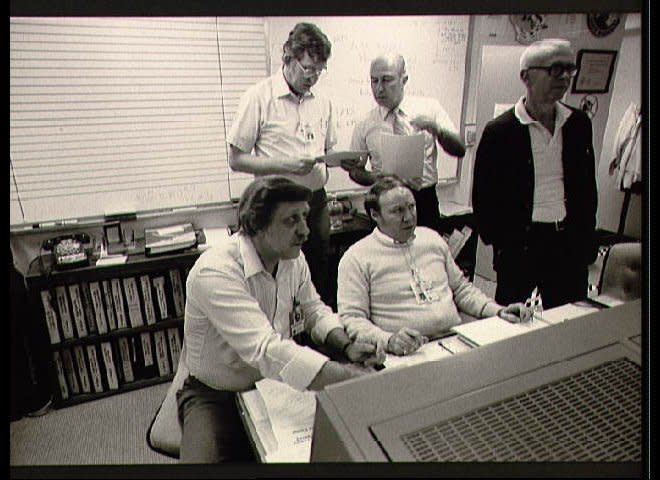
x=594, y=415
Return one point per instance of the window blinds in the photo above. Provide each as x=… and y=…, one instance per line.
x=112, y=114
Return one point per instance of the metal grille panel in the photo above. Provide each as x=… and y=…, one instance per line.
x=594, y=415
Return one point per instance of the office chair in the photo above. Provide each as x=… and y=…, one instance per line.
x=621, y=276
x=164, y=432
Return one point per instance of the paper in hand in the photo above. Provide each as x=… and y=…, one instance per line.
x=403, y=154
x=334, y=159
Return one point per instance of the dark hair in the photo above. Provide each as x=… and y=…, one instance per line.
x=384, y=183
x=261, y=197
x=306, y=37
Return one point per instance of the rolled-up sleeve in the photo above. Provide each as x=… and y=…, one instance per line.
x=244, y=130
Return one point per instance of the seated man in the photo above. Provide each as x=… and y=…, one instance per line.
x=246, y=301
x=400, y=285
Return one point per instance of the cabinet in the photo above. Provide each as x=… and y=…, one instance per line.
x=105, y=330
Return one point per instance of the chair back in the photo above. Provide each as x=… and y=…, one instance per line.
x=621, y=277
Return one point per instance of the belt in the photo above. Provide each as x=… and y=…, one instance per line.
x=548, y=227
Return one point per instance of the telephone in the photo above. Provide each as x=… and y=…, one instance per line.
x=68, y=250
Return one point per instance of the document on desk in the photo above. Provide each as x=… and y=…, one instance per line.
x=494, y=329
x=291, y=415
x=567, y=312
x=402, y=154
x=426, y=353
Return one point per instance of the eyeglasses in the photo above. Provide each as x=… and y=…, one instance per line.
x=310, y=70
x=556, y=70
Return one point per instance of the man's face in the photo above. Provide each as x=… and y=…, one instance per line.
x=387, y=83
x=398, y=214
x=304, y=73
x=541, y=86
x=286, y=233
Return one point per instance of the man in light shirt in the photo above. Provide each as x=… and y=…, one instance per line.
x=400, y=285
x=401, y=114
x=534, y=194
x=247, y=302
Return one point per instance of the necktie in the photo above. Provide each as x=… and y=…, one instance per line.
x=399, y=124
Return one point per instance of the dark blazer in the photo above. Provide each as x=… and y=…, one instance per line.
x=503, y=188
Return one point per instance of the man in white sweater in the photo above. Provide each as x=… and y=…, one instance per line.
x=399, y=286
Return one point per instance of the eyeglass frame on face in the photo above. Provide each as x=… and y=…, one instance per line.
x=310, y=70
x=569, y=68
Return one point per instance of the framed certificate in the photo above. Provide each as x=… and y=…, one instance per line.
x=595, y=68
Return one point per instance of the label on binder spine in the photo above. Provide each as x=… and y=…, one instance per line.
x=94, y=368
x=149, y=311
x=109, y=305
x=133, y=302
x=159, y=286
x=61, y=379
x=82, y=368
x=118, y=300
x=175, y=346
x=65, y=315
x=161, y=353
x=97, y=304
x=78, y=313
x=177, y=292
x=125, y=354
x=88, y=307
x=70, y=371
x=108, y=361
x=50, y=316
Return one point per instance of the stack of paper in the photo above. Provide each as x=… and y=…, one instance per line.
x=168, y=239
x=403, y=154
x=494, y=329
x=426, y=353
x=567, y=312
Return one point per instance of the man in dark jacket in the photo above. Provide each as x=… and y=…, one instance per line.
x=534, y=192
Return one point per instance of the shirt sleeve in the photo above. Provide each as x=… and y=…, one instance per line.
x=331, y=135
x=236, y=316
x=353, y=301
x=442, y=117
x=358, y=139
x=245, y=128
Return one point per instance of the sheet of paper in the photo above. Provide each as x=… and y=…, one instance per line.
x=567, y=312
x=291, y=415
x=426, y=353
x=256, y=407
x=334, y=159
x=454, y=344
x=494, y=329
x=112, y=260
x=403, y=154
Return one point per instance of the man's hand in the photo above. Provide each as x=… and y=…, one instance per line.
x=366, y=353
x=514, y=313
x=415, y=183
x=300, y=165
x=424, y=122
x=405, y=341
x=333, y=372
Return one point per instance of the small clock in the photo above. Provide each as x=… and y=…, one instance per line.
x=602, y=24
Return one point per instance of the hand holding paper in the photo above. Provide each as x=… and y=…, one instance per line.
x=346, y=159
x=403, y=155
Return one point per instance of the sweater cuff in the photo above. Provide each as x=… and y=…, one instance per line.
x=490, y=309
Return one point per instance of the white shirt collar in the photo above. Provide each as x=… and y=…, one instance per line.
x=402, y=107
x=252, y=264
x=562, y=113
x=389, y=241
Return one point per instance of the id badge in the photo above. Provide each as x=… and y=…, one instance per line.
x=423, y=292
x=296, y=320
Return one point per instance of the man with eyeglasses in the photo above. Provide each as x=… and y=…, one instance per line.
x=401, y=114
x=281, y=128
x=534, y=193
x=399, y=286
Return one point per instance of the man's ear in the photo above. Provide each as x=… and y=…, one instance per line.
x=404, y=80
x=524, y=76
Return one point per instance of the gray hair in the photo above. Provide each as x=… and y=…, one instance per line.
x=542, y=49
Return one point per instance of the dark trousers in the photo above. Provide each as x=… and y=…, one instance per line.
x=428, y=214
x=317, y=246
x=211, y=425
x=548, y=260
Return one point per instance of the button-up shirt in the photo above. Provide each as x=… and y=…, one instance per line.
x=274, y=121
x=368, y=131
x=549, y=203
x=237, y=319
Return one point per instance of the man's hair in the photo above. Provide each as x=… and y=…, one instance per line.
x=306, y=37
x=541, y=49
x=384, y=183
x=261, y=197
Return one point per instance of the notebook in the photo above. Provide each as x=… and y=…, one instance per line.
x=494, y=329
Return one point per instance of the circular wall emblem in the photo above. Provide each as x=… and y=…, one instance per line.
x=602, y=24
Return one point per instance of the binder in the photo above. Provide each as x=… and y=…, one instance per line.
x=65, y=314
x=149, y=312
x=118, y=300
x=50, y=316
x=169, y=239
x=94, y=368
x=79, y=355
x=77, y=308
x=161, y=353
x=175, y=346
x=125, y=356
x=88, y=308
x=146, y=350
x=70, y=371
x=61, y=380
x=109, y=305
x=177, y=292
x=97, y=307
x=133, y=302
x=161, y=298
x=110, y=370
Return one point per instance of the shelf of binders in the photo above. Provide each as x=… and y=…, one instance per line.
x=107, y=330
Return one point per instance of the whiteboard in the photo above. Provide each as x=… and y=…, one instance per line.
x=434, y=47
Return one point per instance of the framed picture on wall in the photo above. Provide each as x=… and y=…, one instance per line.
x=595, y=68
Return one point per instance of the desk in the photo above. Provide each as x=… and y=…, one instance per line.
x=442, y=350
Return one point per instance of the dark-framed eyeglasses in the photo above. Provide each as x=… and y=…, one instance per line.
x=556, y=70
x=310, y=70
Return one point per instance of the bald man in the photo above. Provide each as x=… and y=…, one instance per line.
x=534, y=192
x=398, y=113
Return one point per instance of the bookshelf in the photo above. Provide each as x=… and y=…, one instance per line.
x=105, y=330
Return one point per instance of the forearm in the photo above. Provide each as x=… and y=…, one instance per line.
x=333, y=372
x=248, y=163
x=337, y=339
x=362, y=177
x=450, y=142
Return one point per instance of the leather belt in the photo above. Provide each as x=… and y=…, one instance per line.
x=548, y=227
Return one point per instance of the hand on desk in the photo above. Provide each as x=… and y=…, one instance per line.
x=405, y=341
x=514, y=313
x=366, y=353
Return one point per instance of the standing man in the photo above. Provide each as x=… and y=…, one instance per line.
x=534, y=192
x=405, y=115
x=281, y=128
x=246, y=303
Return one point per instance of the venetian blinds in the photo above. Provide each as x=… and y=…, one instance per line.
x=116, y=114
